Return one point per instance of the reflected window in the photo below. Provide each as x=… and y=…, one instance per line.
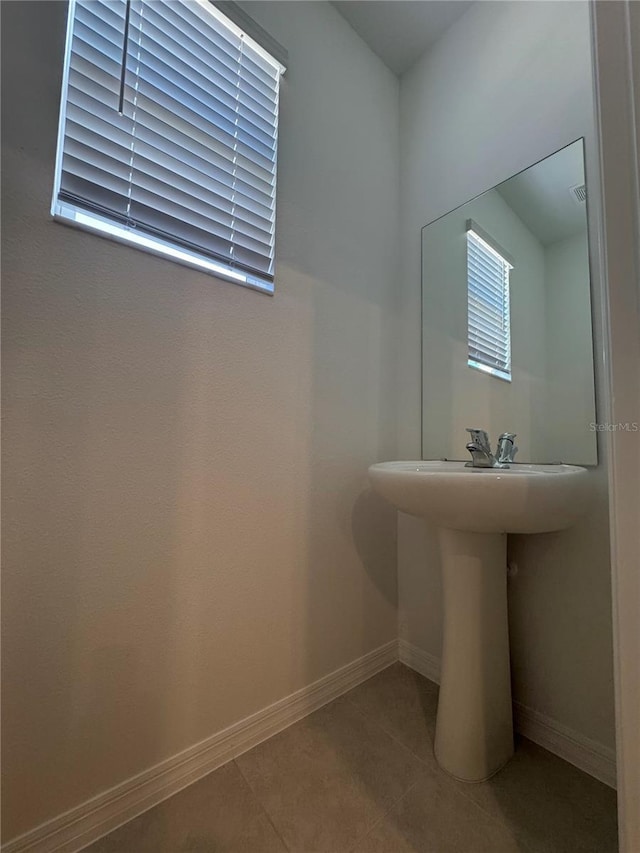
x=489, y=326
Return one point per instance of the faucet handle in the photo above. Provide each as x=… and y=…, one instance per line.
x=506, y=449
x=480, y=438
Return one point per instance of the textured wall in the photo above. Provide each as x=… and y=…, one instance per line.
x=508, y=84
x=188, y=535
x=569, y=348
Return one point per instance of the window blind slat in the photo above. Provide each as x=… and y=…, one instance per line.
x=182, y=205
x=104, y=201
x=198, y=160
x=103, y=12
x=185, y=234
x=91, y=124
x=218, y=149
x=155, y=93
x=486, y=284
x=487, y=348
x=489, y=341
x=221, y=122
x=172, y=44
x=202, y=35
x=487, y=307
x=486, y=333
x=488, y=329
x=192, y=157
x=179, y=173
x=487, y=344
x=172, y=57
x=488, y=271
x=104, y=177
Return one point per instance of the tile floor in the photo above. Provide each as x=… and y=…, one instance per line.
x=359, y=775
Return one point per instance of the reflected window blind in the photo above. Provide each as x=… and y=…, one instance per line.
x=489, y=332
x=169, y=127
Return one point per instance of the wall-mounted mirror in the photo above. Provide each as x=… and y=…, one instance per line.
x=506, y=318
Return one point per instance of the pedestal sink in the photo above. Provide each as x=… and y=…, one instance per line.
x=474, y=509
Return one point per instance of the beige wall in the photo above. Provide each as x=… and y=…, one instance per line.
x=531, y=62
x=188, y=534
x=570, y=386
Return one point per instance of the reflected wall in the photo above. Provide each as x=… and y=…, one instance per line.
x=539, y=216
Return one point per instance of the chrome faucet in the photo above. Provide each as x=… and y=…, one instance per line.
x=480, y=449
x=506, y=448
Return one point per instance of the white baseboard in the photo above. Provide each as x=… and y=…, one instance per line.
x=588, y=755
x=420, y=661
x=84, y=824
x=89, y=821
x=594, y=758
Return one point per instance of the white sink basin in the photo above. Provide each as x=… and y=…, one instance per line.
x=474, y=509
x=519, y=499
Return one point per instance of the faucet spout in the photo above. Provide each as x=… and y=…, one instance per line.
x=480, y=450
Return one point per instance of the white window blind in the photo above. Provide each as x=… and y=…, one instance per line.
x=168, y=133
x=489, y=328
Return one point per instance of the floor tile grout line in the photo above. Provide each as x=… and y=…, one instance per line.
x=470, y=799
x=498, y=820
x=386, y=810
x=462, y=790
x=425, y=764
x=261, y=805
x=384, y=815
x=390, y=734
x=492, y=817
x=429, y=768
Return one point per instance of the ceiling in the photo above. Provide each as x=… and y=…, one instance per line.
x=400, y=31
x=541, y=196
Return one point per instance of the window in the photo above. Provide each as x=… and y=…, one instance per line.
x=168, y=134
x=489, y=328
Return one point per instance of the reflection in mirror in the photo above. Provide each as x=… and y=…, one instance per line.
x=506, y=318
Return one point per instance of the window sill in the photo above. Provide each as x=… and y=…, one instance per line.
x=70, y=215
x=492, y=371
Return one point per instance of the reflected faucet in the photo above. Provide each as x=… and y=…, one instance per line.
x=480, y=449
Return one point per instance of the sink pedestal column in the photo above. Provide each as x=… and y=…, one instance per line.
x=474, y=728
